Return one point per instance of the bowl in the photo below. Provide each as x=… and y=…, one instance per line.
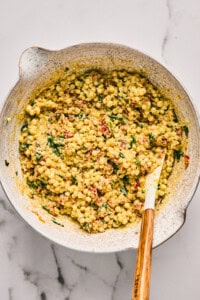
x=38, y=66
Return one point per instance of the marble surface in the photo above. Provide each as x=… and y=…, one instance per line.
x=31, y=267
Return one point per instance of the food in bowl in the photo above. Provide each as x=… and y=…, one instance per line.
x=89, y=140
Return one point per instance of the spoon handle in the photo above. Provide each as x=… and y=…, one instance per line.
x=141, y=287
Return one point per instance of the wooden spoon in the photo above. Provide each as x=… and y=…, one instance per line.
x=141, y=287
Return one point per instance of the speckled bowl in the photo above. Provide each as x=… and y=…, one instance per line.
x=36, y=67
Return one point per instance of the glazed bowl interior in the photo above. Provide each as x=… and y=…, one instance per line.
x=37, y=67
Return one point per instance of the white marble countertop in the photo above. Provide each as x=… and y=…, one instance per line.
x=31, y=267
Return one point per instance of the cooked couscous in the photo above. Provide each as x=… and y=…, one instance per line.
x=88, y=141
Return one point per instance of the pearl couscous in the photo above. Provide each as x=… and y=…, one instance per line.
x=88, y=141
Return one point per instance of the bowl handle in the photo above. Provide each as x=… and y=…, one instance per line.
x=32, y=61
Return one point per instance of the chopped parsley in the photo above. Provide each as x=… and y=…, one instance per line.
x=24, y=126
x=74, y=180
x=126, y=179
x=55, y=143
x=58, y=117
x=175, y=116
x=123, y=190
x=38, y=156
x=115, y=117
x=41, y=183
x=133, y=142
x=46, y=208
x=113, y=164
x=186, y=130
x=121, y=155
x=31, y=184
x=104, y=205
x=23, y=147
x=87, y=226
x=178, y=154
x=100, y=98
x=80, y=116
x=93, y=205
x=151, y=139
x=57, y=223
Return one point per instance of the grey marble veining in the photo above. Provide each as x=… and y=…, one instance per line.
x=32, y=267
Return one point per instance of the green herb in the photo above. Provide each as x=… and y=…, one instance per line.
x=186, y=130
x=115, y=167
x=56, y=151
x=111, y=128
x=38, y=156
x=175, y=116
x=31, y=184
x=41, y=183
x=104, y=205
x=24, y=126
x=46, y=208
x=151, y=139
x=16, y=173
x=58, y=117
x=57, y=223
x=6, y=163
x=120, y=97
x=93, y=205
x=116, y=222
x=74, y=180
x=32, y=102
x=55, y=143
x=23, y=147
x=80, y=116
x=121, y=155
x=87, y=226
x=114, y=118
x=133, y=142
x=178, y=154
x=137, y=161
x=140, y=124
x=100, y=98
x=126, y=179
x=59, y=141
x=123, y=190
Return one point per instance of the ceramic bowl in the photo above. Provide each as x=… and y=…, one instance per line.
x=35, y=68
